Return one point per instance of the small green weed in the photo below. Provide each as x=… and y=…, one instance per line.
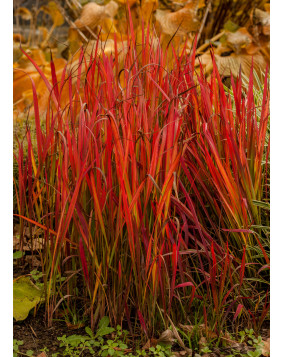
x=18, y=254
x=16, y=350
x=16, y=344
x=158, y=351
x=247, y=336
x=206, y=349
x=74, y=345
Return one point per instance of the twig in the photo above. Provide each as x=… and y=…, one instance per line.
x=205, y=45
x=32, y=330
x=208, y=8
x=70, y=22
x=176, y=334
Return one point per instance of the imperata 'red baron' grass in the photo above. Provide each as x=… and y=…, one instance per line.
x=150, y=187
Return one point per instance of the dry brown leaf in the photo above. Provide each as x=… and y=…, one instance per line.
x=24, y=13
x=33, y=260
x=166, y=337
x=263, y=18
x=201, y=4
x=125, y=2
x=17, y=37
x=108, y=48
x=200, y=329
x=183, y=354
x=75, y=326
x=92, y=14
x=108, y=27
x=150, y=343
x=187, y=328
x=55, y=13
x=42, y=354
x=37, y=55
x=227, y=338
x=266, y=348
x=232, y=63
x=147, y=8
x=22, y=83
x=111, y=9
x=202, y=342
x=180, y=22
x=239, y=40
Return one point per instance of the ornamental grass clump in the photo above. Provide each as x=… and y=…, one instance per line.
x=148, y=187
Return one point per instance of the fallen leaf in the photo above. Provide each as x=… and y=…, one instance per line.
x=55, y=13
x=92, y=14
x=239, y=40
x=265, y=350
x=263, y=18
x=25, y=297
x=150, y=343
x=202, y=342
x=125, y=2
x=17, y=37
x=232, y=63
x=33, y=260
x=183, y=353
x=180, y=22
x=227, y=338
x=147, y=8
x=187, y=328
x=42, y=354
x=24, y=13
x=167, y=337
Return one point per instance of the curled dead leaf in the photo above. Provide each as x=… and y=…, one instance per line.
x=180, y=22
x=263, y=18
x=37, y=55
x=55, y=13
x=167, y=337
x=239, y=40
x=92, y=14
x=17, y=37
x=266, y=348
x=111, y=9
x=147, y=8
x=227, y=338
x=187, y=328
x=24, y=13
x=42, y=354
x=233, y=62
x=150, y=343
